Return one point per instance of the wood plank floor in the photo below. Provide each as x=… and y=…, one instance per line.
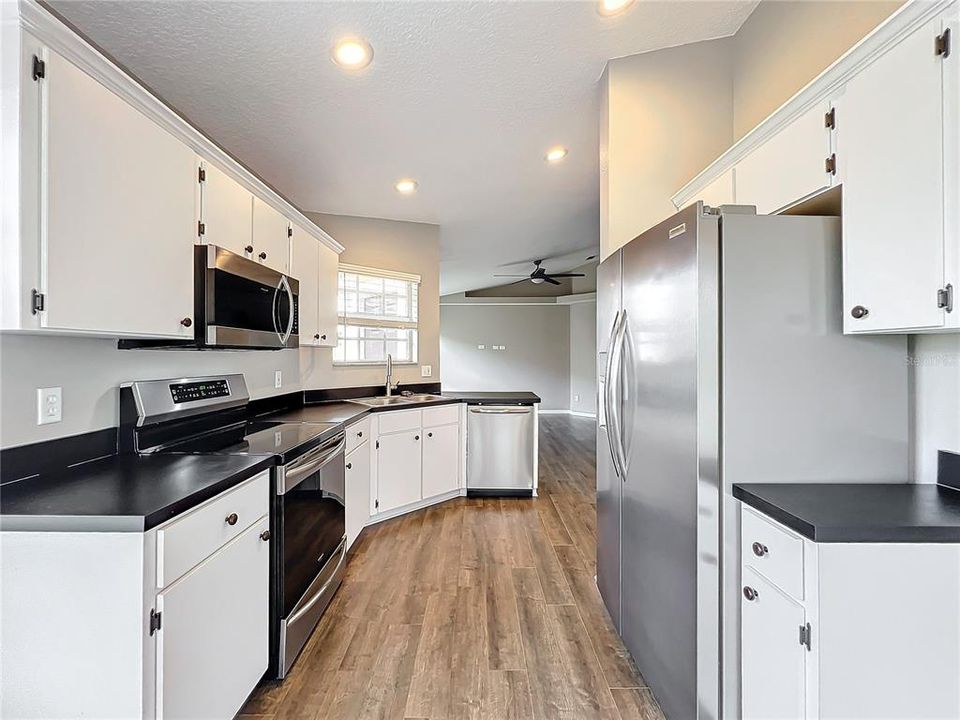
x=476, y=608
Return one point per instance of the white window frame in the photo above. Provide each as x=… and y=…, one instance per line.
x=362, y=320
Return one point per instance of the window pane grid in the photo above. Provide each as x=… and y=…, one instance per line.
x=378, y=315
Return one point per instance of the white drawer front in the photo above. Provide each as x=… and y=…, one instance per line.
x=358, y=433
x=398, y=421
x=772, y=551
x=187, y=540
x=443, y=415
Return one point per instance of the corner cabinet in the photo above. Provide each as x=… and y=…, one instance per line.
x=882, y=124
x=846, y=631
x=168, y=623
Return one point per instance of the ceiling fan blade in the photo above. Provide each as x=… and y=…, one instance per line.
x=519, y=276
x=547, y=278
x=567, y=275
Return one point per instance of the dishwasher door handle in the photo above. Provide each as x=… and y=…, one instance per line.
x=501, y=411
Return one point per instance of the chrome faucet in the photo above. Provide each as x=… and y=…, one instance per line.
x=391, y=386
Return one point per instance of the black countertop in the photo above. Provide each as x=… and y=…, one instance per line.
x=494, y=398
x=860, y=513
x=122, y=493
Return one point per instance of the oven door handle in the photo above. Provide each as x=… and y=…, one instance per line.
x=305, y=466
x=300, y=612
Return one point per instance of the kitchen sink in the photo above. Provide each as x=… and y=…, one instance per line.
x=422, y=397
x=382, y=401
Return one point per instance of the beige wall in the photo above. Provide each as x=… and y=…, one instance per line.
x=668, y=114
x=388, y=245
x=783, y=45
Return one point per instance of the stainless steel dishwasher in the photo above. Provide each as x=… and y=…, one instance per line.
x=501, y=449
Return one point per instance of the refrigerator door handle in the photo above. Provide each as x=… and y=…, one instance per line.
x=616, y=369
x=608, y=395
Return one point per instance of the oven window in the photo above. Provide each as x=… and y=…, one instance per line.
x=313, y=527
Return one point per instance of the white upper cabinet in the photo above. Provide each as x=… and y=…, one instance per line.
x=271, y=237
x=789, y=166
x=226, y=211
x=304, y=266
x=891, y=152
x=118, y=216
x=327, y=290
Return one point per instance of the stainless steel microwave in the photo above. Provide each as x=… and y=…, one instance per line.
x=239, y=303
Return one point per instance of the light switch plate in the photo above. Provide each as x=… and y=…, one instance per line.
x=426, y=371
x=278, y=379
x=49, y=405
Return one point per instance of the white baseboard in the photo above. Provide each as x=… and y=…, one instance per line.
x=575, y=413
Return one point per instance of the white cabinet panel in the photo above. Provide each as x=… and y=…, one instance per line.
x=226, y=212
x=773, y=551
x=890, y=150
x=212, y=645
x=304, y=265
x=720, y=191
x=357, y=490
x=772, y=661
x=271, y=239
x=789, y=166
x=398, y=469
x=398, y=421
x=327, y=296
x=441, y=459
x=118, y=219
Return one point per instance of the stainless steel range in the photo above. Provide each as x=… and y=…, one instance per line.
x=307, y=525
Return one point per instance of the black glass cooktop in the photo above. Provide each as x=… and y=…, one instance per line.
x=260, y=437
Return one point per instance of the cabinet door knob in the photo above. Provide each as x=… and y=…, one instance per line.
x=316, y=336
x=248, y=248
x=349, y=466
x=416, y=437
x=359, y=433
x=859, y=311
x=186, y=322
x=262, y=256
x=429, y=434
x=231, y=519
x=265, y=535
x=323, y=337
x=750, y=594
x=759, y=549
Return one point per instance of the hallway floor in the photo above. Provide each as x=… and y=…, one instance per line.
x=475, y=608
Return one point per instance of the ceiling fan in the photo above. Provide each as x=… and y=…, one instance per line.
x=540, y=275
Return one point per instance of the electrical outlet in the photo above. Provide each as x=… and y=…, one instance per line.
x=576, y=397
x=278, y=379
x=426, y=371
x=49, y=405
x=481, y=347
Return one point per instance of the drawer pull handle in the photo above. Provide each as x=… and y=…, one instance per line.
x=349, y=466
x=265, y=535
x=360, y=433
x=859, y=312
x=749, y=593
x=759, y=549
x=231, y=519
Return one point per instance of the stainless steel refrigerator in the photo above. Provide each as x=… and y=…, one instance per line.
x=721, y=359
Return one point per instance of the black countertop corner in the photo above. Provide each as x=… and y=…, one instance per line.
x=494, y=398
x=860, y=513
x=122, y=493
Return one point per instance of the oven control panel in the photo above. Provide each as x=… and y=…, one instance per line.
x=202, y=390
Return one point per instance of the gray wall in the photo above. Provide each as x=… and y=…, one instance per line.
x=583, y=357
x=536, y=358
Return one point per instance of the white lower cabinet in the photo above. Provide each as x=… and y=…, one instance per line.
x=441, y=459
x=847, y=631
x=772, y=669
x=418, y=459
x=213, y=641
x=398, y=470
x=357, y=479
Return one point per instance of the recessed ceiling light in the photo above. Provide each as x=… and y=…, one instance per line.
x=613, y=7
x=556, y=154
x=406, y=186
x=352, y=53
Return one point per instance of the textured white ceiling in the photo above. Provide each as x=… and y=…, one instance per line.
x=463, y=96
